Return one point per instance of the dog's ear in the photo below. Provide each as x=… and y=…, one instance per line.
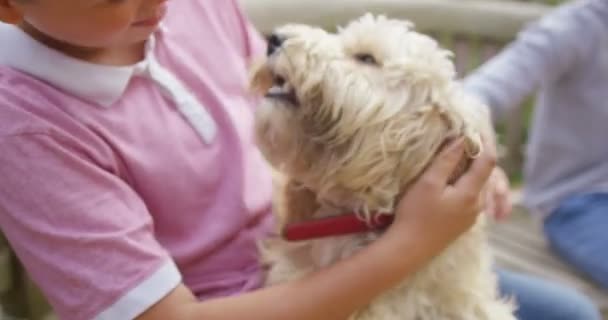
x=430, y=128
x=458, y=124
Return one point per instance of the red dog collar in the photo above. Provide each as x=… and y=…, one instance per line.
x=334, y=226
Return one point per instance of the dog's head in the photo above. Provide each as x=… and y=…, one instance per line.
x=357, y=115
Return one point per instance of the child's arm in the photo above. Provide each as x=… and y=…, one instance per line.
x=87, y=240
x=542, y=54
x=430, y=216
x=84, y=235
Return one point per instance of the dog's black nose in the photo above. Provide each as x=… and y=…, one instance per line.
x=275, y=42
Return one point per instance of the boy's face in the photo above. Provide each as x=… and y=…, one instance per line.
x=92, y=23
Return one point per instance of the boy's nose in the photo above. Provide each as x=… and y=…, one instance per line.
x=275, y=42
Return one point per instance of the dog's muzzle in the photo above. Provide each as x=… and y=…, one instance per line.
x=281, y=88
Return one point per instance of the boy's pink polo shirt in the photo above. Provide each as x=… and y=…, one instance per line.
x=117, y=183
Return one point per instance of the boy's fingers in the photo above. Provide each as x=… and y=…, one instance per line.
x=446, y=161
x=480, y=171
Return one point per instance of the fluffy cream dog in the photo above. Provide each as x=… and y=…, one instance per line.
x=351, y=119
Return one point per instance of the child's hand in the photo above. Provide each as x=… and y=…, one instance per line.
x=498, y=195
x=438, y=212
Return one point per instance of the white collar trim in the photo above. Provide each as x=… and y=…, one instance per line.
x=100, y=84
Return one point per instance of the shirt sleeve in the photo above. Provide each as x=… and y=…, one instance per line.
x=83, y=234
x=541, y=54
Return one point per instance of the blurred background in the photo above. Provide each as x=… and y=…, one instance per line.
x=474, y=30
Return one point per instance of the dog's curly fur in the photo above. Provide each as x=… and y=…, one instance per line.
x=351, y=119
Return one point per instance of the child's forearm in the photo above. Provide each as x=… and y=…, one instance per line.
x=333, y=293
x=430, y=216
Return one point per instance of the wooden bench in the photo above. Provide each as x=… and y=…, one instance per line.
x=519, y=245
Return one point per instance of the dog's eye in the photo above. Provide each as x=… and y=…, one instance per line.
x=366, y=58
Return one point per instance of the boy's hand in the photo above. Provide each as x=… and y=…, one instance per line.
x=439, y=212
x=498, y=195
x=498, y=202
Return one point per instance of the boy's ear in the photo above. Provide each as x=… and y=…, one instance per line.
x=9, y=13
